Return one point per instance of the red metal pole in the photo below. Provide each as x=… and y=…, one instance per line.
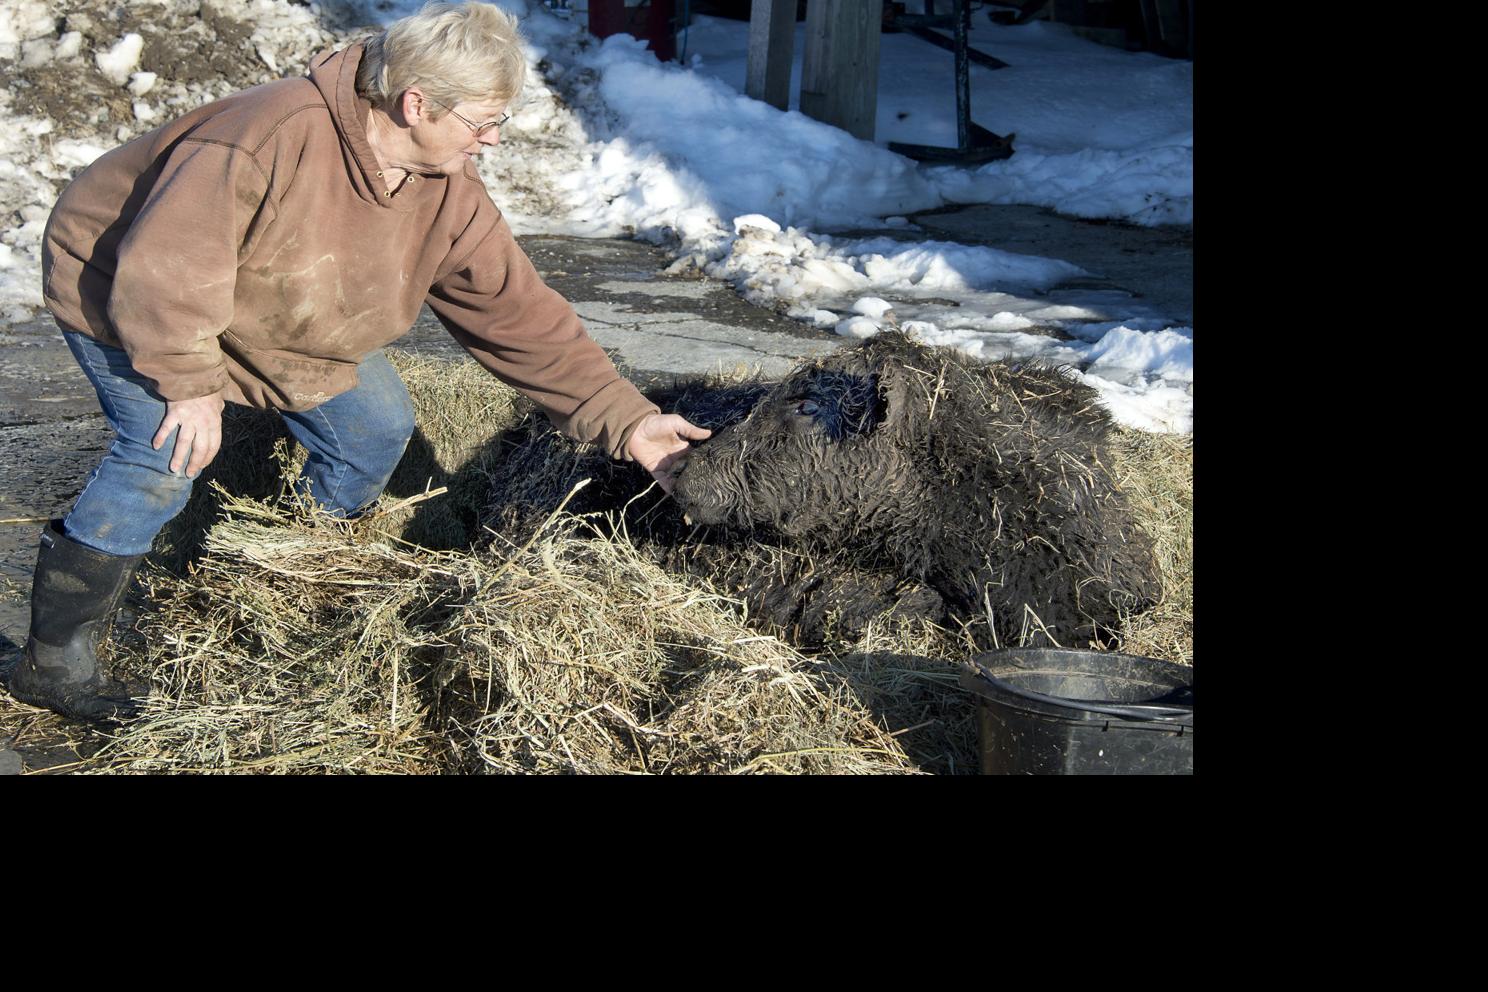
x=659, y=29
x=654, y=25
x=606, y=17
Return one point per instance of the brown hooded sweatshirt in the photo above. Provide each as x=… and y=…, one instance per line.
x=252, y=247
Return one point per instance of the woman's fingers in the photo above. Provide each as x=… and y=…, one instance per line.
x=204, y=448
x=198, y=427
x=660, y=440
x=693, y=432
x=184, y=444
x=172, y=418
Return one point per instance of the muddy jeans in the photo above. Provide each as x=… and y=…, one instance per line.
x=354, y=441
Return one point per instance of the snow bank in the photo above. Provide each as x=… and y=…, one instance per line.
x=1148, y=185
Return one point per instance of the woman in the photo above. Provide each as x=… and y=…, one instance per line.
x=261, y=250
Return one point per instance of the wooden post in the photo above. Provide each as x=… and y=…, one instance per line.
x=839, y=68
x=1171, y=25
x=772, y=49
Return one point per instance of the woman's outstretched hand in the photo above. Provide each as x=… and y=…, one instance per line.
x=659, y=441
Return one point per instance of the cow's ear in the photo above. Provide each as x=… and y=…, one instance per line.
x=894, y=392
x=860, y=404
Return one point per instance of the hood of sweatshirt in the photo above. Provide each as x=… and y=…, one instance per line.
x=334, y=74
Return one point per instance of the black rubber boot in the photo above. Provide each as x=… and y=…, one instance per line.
x=73, y=597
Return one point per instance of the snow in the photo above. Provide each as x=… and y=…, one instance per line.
x=872, y=306
x=607, y=141
x=1100, y=132
x=26, y=20
x=118, y=62
x=69, y=45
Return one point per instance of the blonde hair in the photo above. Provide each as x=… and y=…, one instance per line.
x=454, y=52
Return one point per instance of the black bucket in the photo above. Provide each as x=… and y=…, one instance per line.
x=1052, y=711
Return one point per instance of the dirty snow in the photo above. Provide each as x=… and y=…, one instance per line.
x=79, y=83
x=609, y=142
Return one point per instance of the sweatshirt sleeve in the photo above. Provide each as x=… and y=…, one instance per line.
x=172, y=294
x=497, y=307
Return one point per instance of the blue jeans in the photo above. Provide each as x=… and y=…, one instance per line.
x=354, y=441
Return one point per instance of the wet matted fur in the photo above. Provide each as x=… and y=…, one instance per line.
x=889, y=479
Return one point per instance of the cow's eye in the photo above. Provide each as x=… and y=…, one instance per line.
x=807, y=408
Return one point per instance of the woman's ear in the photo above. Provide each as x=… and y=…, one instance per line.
x=413, y=106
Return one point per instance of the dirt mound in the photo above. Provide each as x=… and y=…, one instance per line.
x=86, y=75
x=78, y=76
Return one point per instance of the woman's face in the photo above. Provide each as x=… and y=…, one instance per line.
x=444, y=145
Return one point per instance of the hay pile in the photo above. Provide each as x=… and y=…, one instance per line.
x=300, y=643
x=1156, y=470
x=461, y=411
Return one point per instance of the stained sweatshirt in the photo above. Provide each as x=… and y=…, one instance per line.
x=251, y=247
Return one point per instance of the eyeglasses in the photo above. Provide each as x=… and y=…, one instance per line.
x=479, y=129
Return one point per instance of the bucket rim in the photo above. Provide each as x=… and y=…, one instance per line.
x=980, y=674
